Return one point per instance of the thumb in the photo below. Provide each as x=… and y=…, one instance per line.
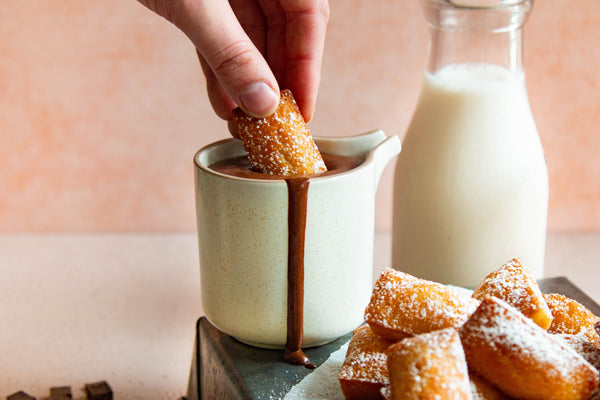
x=227, y=50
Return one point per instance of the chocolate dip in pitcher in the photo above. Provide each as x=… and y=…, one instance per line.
x=248, y=230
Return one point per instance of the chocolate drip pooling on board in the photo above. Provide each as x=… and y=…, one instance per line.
x=297, y=211
x=297, y=207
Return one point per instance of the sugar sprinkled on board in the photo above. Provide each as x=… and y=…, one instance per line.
x=322, y=383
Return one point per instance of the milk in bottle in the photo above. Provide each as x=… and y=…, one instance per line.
x=471, y=183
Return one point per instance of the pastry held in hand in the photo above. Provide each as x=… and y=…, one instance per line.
x=514, y=283
x=281, y=143
x=522, y=359
x=402, y=305
x=429, y=366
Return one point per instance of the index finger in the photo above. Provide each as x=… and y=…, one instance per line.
x=234, y=60
x=306, y=25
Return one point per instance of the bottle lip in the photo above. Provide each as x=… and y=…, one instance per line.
x=477, y=15
x=480, y=4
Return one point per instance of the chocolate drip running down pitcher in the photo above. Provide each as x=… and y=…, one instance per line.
x=245, y=238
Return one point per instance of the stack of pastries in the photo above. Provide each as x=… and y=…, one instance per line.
x=425, y=340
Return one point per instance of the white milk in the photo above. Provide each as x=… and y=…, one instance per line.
x=471, y=185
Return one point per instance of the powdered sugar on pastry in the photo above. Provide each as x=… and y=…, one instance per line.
x=572, y=317
x=515, y=354
x=364, y=371
x=588, y=351
x=402, y=305
x=514, y=283
x=280, y=144
x=429, y=366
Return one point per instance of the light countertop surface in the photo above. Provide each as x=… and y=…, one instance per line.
x=81, y=308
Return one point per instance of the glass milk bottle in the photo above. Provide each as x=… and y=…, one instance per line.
x=471, y=183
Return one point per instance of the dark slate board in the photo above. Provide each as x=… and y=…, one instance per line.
x=223, y=368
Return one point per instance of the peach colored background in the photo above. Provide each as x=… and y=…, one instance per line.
x=102, y=106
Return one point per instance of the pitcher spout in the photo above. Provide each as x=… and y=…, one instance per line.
x=383, y=153
x=352, y=146
x=374, y=146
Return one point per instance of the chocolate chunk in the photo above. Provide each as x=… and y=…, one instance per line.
x=61, y=393
x=21, y=395
x=98, y=391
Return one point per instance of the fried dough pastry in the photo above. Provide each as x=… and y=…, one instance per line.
x=386, y=393
x=514, y=283
x=402, y=305
x=588, y=351
x=571, y=317
x=364, y=371
x=429, y=366
x=521, y=359
x=281, y=143
x=481, y=389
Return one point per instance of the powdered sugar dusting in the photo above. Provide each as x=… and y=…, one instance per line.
x=582, y=346
x=416, y=364
x=281, y=143
x=411, y=305
x=514, y=283
x=499, y=326
x=588, y=351
x=322, y=383
x=366, y=359
x=571, y=317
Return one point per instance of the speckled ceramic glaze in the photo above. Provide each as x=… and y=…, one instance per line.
x=243, y=236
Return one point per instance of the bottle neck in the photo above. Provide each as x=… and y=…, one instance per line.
x=476, y=32
x=504, y=49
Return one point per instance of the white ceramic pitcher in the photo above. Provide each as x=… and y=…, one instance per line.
x=243, y=243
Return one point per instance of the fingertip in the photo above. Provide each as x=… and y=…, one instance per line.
x=306, y=104
x=307, y=114
x=258, y=99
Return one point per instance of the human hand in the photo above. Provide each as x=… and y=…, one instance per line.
x=248, y=49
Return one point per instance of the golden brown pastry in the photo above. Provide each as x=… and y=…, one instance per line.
x=402, y=305
x=364, y=371
x=521, y=359
x=514, y=283
x=281, y=143
x=586, y=350
x=429, y=366
x=386, y=393
x=571, y=317
x=481, y=389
